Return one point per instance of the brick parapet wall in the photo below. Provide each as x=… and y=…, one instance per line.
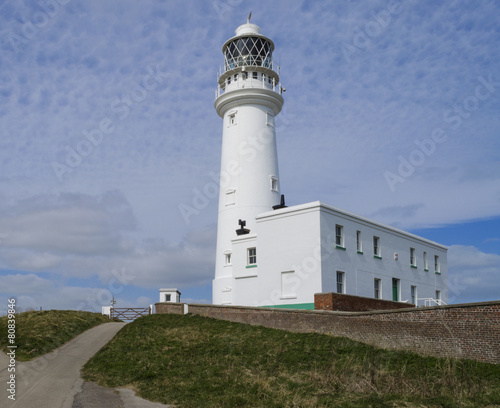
x=462, y=331
x=169, y=308
x=351, y=303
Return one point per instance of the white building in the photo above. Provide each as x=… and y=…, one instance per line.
x=171, y=295
x=272, y=255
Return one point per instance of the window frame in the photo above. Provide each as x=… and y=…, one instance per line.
x=288, y=293
x=377, y=288
x=341, y=282
x=437, y=265
x=377, y=252
x=274, y=183
x=252, y=256
x=359, y=242
x=413, y=258
x=339, y=237
x=228, y=259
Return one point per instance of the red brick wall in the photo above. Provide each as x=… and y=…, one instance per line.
x=170, y=308
x=463, y=331
x=350, y=303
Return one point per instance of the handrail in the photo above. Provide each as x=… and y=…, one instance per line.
x=249, y=83
x=431, y=302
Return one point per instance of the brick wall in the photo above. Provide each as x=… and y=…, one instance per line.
x=464, y=331
x=170, y=308
x=350, y=303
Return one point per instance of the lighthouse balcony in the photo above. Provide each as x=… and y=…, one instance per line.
x=237, y=79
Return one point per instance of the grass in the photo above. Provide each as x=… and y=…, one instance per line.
x=197, y=362
x=41, y=332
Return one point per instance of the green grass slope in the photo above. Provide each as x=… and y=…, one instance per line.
x=199, y=362
x=38, y=333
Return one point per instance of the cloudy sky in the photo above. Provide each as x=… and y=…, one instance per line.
x=108, y=132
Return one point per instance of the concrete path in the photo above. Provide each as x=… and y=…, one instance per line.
x=95, y=396
x=4, y=361
x=53, y=380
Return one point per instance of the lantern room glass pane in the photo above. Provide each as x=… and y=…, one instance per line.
x=248, y=51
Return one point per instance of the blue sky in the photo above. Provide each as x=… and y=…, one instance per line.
x=108, y=130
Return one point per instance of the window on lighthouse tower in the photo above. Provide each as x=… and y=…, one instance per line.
x=232, y=119
x=274, y=183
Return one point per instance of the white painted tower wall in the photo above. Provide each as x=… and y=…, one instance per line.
x=248, y=100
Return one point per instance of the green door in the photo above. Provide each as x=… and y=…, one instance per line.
x=395, y=289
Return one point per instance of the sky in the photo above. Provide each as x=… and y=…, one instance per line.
x=108, y=133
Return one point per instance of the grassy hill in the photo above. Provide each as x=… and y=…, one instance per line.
x=199, y=362
x=38, y=333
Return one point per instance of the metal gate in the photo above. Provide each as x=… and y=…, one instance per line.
x=129, y=313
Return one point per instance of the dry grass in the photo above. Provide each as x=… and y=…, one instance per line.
x=40, y=332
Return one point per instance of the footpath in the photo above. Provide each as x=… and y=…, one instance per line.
x=53, y=380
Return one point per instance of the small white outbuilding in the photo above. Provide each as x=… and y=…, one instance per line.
x=170, y=295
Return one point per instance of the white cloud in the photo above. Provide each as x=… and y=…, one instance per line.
x=42, y=230
x=473, y=274
x=82, y=236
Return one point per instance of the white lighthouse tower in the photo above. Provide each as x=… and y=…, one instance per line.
x=248, y=99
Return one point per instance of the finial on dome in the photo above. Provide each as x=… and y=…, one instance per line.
x=249, y=17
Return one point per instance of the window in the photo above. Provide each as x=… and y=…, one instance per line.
x=229, y=80
x=413, y=294
x=359, y=245
x=339, y=236
x=395, y=290
x=252, y=256
x=377, y=285
x=289, y=284
x=274, y=183
x=340, y=282
x=168, y=297
x=245, y=75
x=376, y=247
x=235, y=77
x=269, y=79
x=230, y=196
x=438, y=297
x=413, y=261
x=426, y=265
x=255, y=75
x=227, y=258
x=269, y=119
x=436, y=264
x=232, y=119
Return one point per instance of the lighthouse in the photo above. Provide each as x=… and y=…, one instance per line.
x=271, y=255
x=248, y=99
